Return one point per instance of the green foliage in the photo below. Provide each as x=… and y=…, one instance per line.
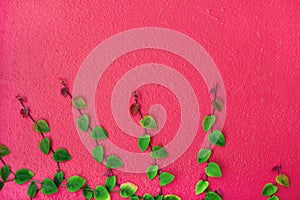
x=148, y=122
x=32, y=190
x=98, y=133
x=158, y=197
x=203, y=155
x=213, y=170
x=212, y=196
x=75, y=183
x=1, y=185
x=143, y=142
x=127, y=189
x=44, y=145
x=217, y=138
x=165, y=178
x=171, y=197
x=23, y=175
x=201, y=186
x=283, y=180
x=208, y=122
x=148, y=197
x=113, y=162
x=61, y=155
x=152, y=171
x=4, y=151
x=269, y=189
x=110, y=183
x=58, y=178
x=98, y=153
x=79, y=103
x=134, y=198
x=101, y=193
x=48, y=187
x=83, y=123
x=158, y=152
x=87, y=192
x=4, y=172
x=273, y=198
x=41, y=126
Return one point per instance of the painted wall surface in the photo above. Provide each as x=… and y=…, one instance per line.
x=254, y=44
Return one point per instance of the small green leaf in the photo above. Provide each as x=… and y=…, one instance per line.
x=113, y=162
x=23, y=175
x=110, y=183
x=152, y=171
x=61, y=155
x=48, y=187
x=134, y=198
x=127, y=189
x=87, y=192
x=44, y=145
x=101, y=193
x=1, y=185
x=148, y=122
x=148, y=197
x=75, y=183
x=203, y=155
x=158, y=152
x=32, y=190
x=283, y=180
x=201, y=186
x=217, y=104
x=58, y=178
x=158, y=197
x=273, y=198
x=41, y=126
x=83, y=123
x=172, y=197
x=4, y=172
x=212, y=196
x=269, y=189
x=98, y=153
x=213, y=170
x=143, y=142
x=217, y=138
x=165, y=178
x=78, y=103
x=208, y=122
x=4, y=151
x=98, y=133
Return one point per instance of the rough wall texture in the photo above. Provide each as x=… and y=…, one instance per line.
x=255, y=45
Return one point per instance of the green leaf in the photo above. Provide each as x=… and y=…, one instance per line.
x=58, y=178
x=273, y=198
x=83, y=123
x=148, y=197
x=213, y=170
x=269, y=189
x=41, y=126
x=212, y=196
x=48, y=187
x=201, y=186
x=283, y=180
x=113, y=162
x=44, y=145
x=98, y=133
x=87, y=192
x=134, y=198
x=208, y=122
x=217, y=104
x=74, y=183
x=23, y=175
x=165, y=178
x=217, y=138
x=152, y=171
x=32, y=190
x=78, y=103
x=110, y=183
x=98, y=153
x=61, y=155
x=143, y=142
x=4, y=151
x=4, y=172
x=127, y=189
x=172, y=197
x=203, y=155
x=101, y=193
x=1, y=185
x=158, y=152
x=148, y=122
x=158, y=197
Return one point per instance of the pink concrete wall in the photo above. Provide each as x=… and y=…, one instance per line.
x=254, y=44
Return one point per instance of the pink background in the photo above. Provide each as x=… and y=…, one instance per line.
x=254, y=45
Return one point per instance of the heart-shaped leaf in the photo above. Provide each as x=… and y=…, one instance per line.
x=83, y=123
x=41, y=126
x=78, y=103
x=213, y=170
x=127, y=189
x=217, y=138
x=75, y=183
x=269, y=189
x=212, y=196
x=87, y=192
x=101, y=193
x=110, y=183
x=143, y=142
x=4, y=172
x=113, y=162
x=23, y=175
x=165, y=178
x=273, y=198
x=4, y=151
x=134, y=198
x=283, y=180
x=48, y=186
x=158, y=152
x=217, y=104
x=98, y=133
x=152, y=171
x=201, y=186
x=44, y=145
x=148, y=197
x=32, y=190
x=148, y=122
x=208, y=122
x=171, y=197
x=58, y=178
x=203, y=155
x=61, y=155
x=98, y=153
x=158, y=197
